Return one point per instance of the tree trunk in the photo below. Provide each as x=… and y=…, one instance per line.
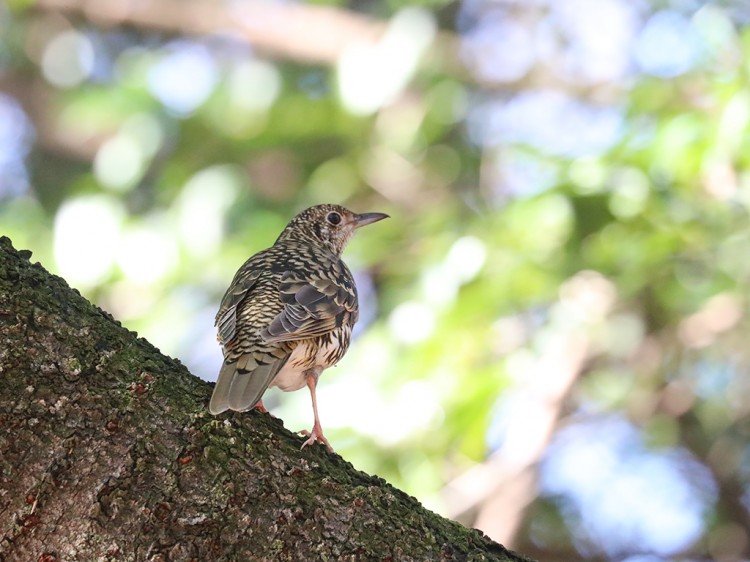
x=107, y=452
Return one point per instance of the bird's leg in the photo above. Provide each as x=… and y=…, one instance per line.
x=317, y=431
x=260, y=407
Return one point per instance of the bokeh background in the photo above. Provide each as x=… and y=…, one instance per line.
x=554, y=344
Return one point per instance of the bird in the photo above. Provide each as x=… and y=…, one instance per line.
x=288, y=313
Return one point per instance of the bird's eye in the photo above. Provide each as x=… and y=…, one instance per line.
x=334, y=218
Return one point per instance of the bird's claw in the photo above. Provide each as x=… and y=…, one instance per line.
x=315, y=435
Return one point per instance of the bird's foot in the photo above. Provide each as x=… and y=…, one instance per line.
x=316, y=435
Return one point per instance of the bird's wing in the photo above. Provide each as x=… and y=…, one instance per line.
x=242, y=284
x=312, y=307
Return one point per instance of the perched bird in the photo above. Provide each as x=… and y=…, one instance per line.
x=289, y=312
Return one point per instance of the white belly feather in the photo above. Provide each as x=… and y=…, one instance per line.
x=292, y=375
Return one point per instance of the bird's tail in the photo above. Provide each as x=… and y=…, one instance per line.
x=240, y=390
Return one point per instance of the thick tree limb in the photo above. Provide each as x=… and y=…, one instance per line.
x=107, y=452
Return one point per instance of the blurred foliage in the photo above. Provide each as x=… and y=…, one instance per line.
x=145, y=167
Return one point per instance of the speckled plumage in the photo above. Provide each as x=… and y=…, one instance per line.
x=289, y=311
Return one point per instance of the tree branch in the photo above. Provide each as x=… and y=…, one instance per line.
x=107, y=451
x=307, y=33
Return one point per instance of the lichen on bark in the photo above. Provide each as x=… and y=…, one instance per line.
x=107, y=452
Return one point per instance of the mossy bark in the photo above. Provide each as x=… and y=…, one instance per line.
x=107, y=452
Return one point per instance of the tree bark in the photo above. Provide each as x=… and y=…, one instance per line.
x=107, y=452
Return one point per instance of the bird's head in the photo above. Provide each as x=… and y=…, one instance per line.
x=330, y=225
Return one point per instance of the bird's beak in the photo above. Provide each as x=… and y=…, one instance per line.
x=368, y=218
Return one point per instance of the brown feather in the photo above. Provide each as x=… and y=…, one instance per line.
x=297, y=292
